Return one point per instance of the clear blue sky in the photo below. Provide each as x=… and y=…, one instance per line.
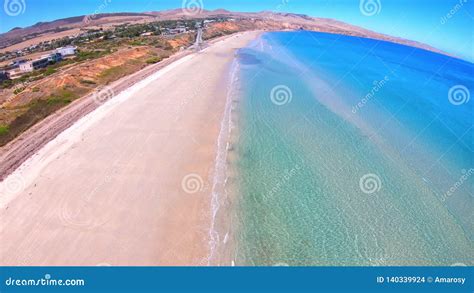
x=419, y=20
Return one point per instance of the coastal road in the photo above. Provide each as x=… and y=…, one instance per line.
x=198, y=44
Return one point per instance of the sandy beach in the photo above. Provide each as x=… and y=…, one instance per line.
x=129, y=183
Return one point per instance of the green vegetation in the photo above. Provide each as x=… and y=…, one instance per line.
x=35, y=89
x=88, y=82
x=117, y=72
x=61, y=97
x=136, y=43
x=6, y=84
x=89, y=55
x=112, y=73
x=4, y=129
x=132, y=31
x=49, y=71
x=54, y=101
x=35, y=112
x=154, y=60
x=18, y=90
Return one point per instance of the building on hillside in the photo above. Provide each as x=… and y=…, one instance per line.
x=53, y=57
x=42, y=62
x=66, y=51
x=173, y=31
x=35, y=64
x=26, y=66
x=15, y=73
x=181, y=29
x=16, y=63
x=4, y=75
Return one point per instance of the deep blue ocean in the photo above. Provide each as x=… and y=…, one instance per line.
x=351, y=151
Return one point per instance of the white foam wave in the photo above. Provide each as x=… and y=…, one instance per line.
x=220, y=168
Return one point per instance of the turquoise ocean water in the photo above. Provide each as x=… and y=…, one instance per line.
x=350, y=151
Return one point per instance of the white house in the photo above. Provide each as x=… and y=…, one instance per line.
x=66, y=51
x=26, y=67
x=35, y=64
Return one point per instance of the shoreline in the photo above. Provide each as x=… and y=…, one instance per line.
x=220, y=167
x=73, y=192
x=225, y=226
x=220, y=192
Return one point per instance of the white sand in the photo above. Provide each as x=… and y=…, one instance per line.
x=109, y=189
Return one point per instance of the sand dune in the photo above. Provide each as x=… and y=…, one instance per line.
x=128, y=184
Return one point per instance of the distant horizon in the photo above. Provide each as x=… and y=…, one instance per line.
x=444, y=26
x=230, y=11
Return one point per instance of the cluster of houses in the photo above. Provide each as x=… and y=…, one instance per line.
x=56, y=56
x=179, y=29
x=18, y=67
x=43, y=46
x=48, y=45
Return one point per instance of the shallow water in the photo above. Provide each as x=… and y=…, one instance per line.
x=346, y=149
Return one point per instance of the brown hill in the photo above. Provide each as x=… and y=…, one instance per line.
x=23, y=37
